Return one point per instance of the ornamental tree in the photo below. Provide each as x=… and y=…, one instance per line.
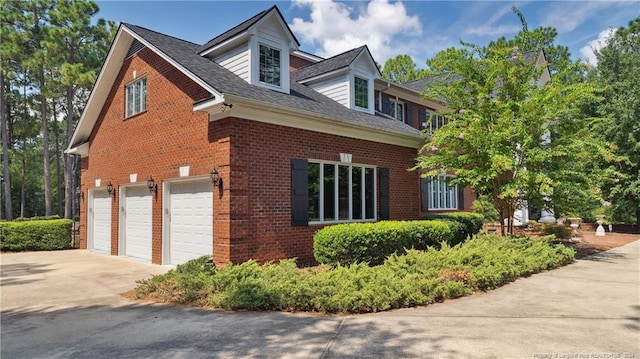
x=511, y=136
x=618, y=72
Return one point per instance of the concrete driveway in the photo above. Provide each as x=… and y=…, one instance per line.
x=65, y=305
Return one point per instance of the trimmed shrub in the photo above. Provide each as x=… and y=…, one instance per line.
x=472, y=222
x=372, y=243
x=558, y=230
x=37, y=218
x=35, y=235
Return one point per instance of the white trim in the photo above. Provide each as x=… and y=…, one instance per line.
x=306, y=56
x=307, y=120
x=106, y=79
x=329, y=74
x=232, y=42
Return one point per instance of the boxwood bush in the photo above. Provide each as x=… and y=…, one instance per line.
x=372, y=243
x=35, y=235
x=472, y=222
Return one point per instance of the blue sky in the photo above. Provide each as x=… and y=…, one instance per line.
x=418, y=28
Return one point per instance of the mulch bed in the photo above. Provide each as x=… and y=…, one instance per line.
x=589, y=244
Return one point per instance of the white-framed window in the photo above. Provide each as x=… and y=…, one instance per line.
x=396, y=110
x=361, y=92
x=136, y=97
x=341, y=192
x=436, y=121
x=442, y=195
x=270, y=69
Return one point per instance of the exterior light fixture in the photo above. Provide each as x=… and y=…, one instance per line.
x=111, y=190
x=153, y=187
x=215, y=177
x=81, y=194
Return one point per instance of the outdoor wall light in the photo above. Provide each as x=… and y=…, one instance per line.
x=153, y=187
x=111, y=190
x=81, y=194
x=215, y=177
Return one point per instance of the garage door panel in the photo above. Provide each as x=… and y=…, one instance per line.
x=191, y=224
x=138, y=223
x=101, y=225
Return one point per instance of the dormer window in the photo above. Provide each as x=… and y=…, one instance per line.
x=397, y=110
x=269, y=65
x=361, y=92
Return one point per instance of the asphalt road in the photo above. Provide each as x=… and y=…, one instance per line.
x=65, y=305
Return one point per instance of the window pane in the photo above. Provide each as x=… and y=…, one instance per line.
x=356, y=192
x=144, y=94
x=129, y=100
x=343, y=191
x=136, y=97
x=361, y=93
x=369, y=197
x=314, y=192
x=269, y=65
x=329, y=192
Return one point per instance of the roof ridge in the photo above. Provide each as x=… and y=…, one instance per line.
x=330, y=58
x=157, y=32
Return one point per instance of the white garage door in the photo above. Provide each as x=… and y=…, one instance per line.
x=100, y=211
x=191, y=226
x=137, y=212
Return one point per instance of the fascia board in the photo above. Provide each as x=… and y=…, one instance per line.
x=306, y=120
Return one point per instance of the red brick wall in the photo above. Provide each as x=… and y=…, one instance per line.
x=296, y=62
x=260, y=185
x=153, y=143
x=252, y=208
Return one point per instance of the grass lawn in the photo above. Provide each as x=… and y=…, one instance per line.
x=417, y=278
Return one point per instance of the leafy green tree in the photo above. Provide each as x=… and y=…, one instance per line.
x=510, y=138
x=401, y=69
x=618, y=71
x=81, y=47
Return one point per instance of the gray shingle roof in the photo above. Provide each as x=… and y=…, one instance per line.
x=337, y=62
x=300, y=98
x=420, y=85
x=244, y=26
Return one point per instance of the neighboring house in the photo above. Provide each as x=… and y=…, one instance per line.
x=245, y=146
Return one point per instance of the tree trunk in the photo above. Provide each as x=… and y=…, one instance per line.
x=57, y=157
x=23, y=173
x=45, y=145
x=8, y=209
x=68, y=159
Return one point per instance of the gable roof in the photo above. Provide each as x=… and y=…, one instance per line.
x=219, y=81
x=243, y=27
x=337, y=62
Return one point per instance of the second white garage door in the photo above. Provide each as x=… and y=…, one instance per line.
x=191, y=221
x=137, y=212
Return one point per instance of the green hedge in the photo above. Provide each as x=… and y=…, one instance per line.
x=35, y=235
x=472, y=222
x=372, y=243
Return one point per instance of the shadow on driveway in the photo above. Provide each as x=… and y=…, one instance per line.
x=162, y=331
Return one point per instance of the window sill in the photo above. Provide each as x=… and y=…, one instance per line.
x=135, y=115
x=341, y=222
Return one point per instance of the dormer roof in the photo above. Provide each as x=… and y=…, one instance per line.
x=244, y=27
x=332, y=64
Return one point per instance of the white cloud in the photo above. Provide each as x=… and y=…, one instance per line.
x=336, y=27
x=489, y=27
x=493, y=30
x=567, y=16
x=588, y=51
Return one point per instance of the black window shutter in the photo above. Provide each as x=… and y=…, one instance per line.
x=383, y=183
x=460, y=197
x=386, y=105
x=409, y=112
x=422, y=118
x=299, y=192
x=424, y=194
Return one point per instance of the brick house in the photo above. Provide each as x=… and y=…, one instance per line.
x=245, y=146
